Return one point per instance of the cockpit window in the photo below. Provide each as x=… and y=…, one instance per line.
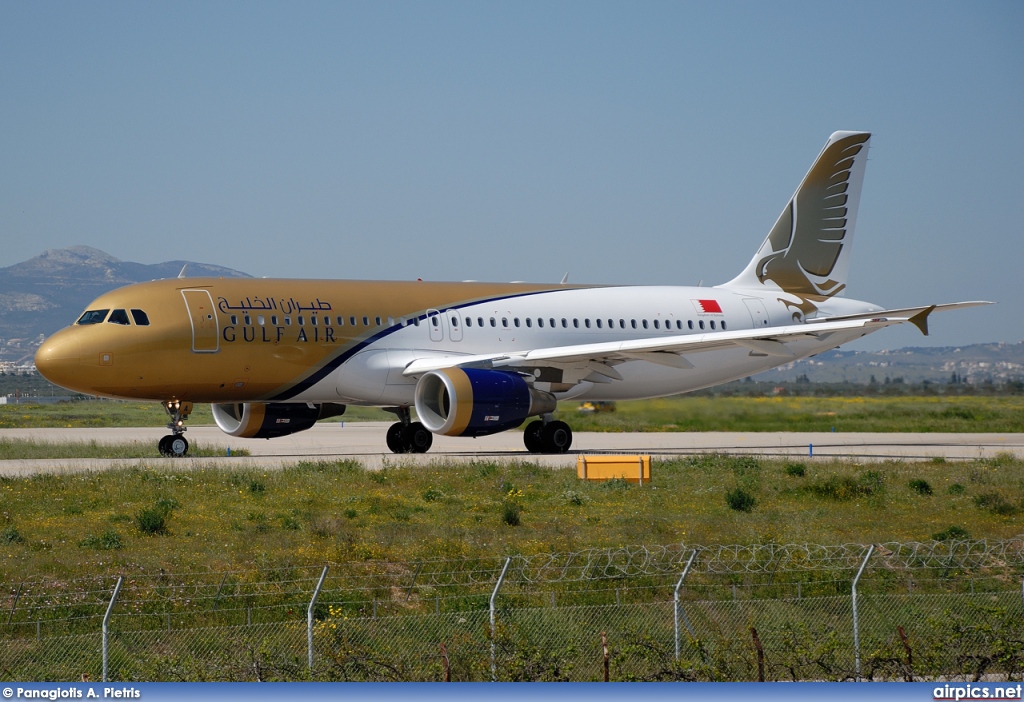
x=141, y=318
x=118, y=317
x=93, y=317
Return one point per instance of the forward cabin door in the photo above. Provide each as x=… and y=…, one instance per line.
x=435, y=324
x=205, y=332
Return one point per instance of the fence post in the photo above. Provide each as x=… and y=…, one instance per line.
x=106, y=625
x=856, y=629
x=494, y=626
x=675, y=602
x=309, y=616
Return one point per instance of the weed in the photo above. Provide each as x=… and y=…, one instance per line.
x=956, y=489
x=10, y=535
x=1002, y=459
x=953, y=533
x=256, y=487
x=921, y=487
x=379, y=476
x=511, y=512
x=351, y=513
x=573, y=498
x=289, y=523
x=109, y=540
x=845, y=487
x=615, y=484
x=796, y=470
x=740, y=500
x=324, y=526
x=432, y=494
x=996, y=504
x=152, y=521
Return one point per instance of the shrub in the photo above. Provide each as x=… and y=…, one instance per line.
x=847, y=487
x=109, y=540
x=432, y=494
x=10, y=535
x=953, y=533
x=996, y=503
x=797, y=470
x=921, y=487
x=256, y=487
x=510, y=512
x=152, y=521
x=956, y=489
x=573, y=498
x=350, y=513
x=740, y=500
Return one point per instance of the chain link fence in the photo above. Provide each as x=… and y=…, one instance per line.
x=895, y=611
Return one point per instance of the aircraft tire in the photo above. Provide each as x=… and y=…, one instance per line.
x=164, y=445
x=418, y=438
x=177, y=446
x=396, y=438
x=556, y=437
x=532, y=436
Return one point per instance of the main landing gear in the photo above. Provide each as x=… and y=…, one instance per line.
x=406, y=436
x=174, y=445
x=547, y=437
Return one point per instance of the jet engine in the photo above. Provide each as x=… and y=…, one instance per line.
x=475, y=402
x=257, y=420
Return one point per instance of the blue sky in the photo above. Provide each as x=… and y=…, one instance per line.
x=641, y=142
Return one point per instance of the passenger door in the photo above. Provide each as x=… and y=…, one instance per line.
x=205, y=331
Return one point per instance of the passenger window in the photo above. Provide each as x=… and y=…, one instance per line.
x=273, y=319
x=493, y=323
x=469, y=321
x=598, y=323
x=455, y=321
x=248, y=320
x=657, y=324
x=679, y=324
x=712, y=324
x=540, y=322
x=352, y=321
x=689, y=323
x=287, y=321
x=377, y=320
x=565, y=323
x=645, y=324
x=312, y=320
x=633, y=322
x=93, y=317
x=341, y=321
x=301, y=320
x=504, y=322
x=366, y=321
x=416, y=321
x=622, y=324
x=234, y=319
x=516, y=321
x=723, y=325
x=118, y=317
x=701, y=324
x=433, y=320
x=391, y=321
x=479, y=321
x=141, y=318
x=260, y=319
x=528, y=322
x=586, y=322
x=611, y=323
x=551, y=322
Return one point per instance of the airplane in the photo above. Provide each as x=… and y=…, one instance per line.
x=274, y=356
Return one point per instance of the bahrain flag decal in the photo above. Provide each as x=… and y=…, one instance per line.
x=707, y=306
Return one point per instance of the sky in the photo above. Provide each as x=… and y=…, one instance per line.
x=621, y=142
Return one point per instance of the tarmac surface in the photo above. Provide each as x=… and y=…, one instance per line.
x=364, y=442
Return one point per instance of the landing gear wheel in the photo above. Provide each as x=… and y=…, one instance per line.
x=556, y=437
x=417, y=438
x=532, y=437
x=396, y=438
x=178, y=446
x=173, y=446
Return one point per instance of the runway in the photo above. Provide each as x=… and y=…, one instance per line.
x=364, y=442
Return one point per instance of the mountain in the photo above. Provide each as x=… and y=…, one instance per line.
x=48, y=292
x=974, y=364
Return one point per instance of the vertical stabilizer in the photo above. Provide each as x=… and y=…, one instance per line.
x=807, y=252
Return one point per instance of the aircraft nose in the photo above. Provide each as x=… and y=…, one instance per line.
x=58, y=359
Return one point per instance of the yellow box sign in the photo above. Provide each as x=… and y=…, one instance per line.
x=634, y=469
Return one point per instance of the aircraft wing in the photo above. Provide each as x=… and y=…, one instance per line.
x=595, y=362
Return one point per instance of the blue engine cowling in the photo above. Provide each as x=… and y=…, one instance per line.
x=257, y=420
x=474, y=402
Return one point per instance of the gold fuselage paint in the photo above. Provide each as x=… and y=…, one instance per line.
x=243, y=339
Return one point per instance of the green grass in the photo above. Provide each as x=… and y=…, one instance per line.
x=113, y=413
x=786, y=413
x=219, y=518
x=14, y=449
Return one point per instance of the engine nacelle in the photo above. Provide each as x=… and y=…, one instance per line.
x=474, y=402
x=257, y=420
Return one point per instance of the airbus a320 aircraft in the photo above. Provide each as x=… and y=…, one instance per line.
x=274, y=356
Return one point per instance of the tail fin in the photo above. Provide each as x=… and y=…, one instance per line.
x=807, y=252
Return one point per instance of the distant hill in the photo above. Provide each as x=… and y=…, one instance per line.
x=974, y=364
x=48, y=292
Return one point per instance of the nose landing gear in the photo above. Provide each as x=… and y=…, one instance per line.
x=174, y=445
